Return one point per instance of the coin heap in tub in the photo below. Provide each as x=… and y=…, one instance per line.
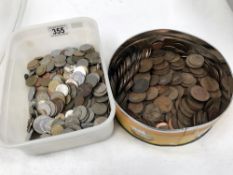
x=171, y=92
x=67, y=91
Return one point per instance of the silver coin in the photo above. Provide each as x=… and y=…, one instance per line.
x=99, y=108
x=83, y=62
x=69, y=68
x=67, y=130
x=72, y=81
x=79, y=77
x=93, y=79
x=86, y=48
x=69, y=113
x=39, y=122
x=84, y=113
x=69, y=51
x=53, y=108
x=46, y=125
x=43, y=107
x=86, y=125
x=50, y=66
x=99, y=120
x=101, y=99
x=41, y=95
x=46, y=60
x=56, y=52
x=82, y=69
x=31, y=93
x=91, y=116
x=63, y=89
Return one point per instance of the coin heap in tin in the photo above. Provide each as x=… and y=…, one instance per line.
x=67, y=91
x=169, y=90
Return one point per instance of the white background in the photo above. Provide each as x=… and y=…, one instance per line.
x=118, y=20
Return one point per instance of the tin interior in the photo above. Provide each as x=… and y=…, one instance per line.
x=125, y=63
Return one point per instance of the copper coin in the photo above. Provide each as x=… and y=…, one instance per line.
x=152, y=114
x=165, y=79
x=209, y=84
x=145, y=65
x=136, y=107
x=173, y=93
x=169, y=56
x=188, y=79
x=157, y=60
x=79, y=100
x=154, y=80
x=162, y=125
x=193, y=104
x=199, y=93
x=140, y=85
x=164, y=103
x=136, y=97
x=152, y=93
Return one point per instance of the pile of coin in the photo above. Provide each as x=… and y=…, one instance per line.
x=67, y=92
x=171, y=90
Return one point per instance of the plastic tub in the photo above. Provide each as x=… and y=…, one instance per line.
x=24, y=45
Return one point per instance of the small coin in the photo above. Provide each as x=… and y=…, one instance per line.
x=164, y=103
x=195, y=61
x=63, y=89
x=152, y=114
x=79, y=100
x=162, y=125
x=86, y=48
x=152, y=93
x=83, y=62
x=140, y=85
x=33, y=64
x=31, y=81
x=136, y=107
x=39, y=122
x=93, y=79
x=100, y=90
x=154, y=80
x=57, y=129
x=188, y=79
x=145, y=65
x=173, y=93
x=199, y=93
x=53, y=85
x=137, y=97
x=99, y=120
x=209, y=84
x=99, y=108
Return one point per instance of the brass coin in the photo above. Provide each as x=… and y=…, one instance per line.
x=209, y=84
x=33, y=64
x=40, y=70
x=136, y=107
x=199, y=93
x=56, y=129
x=31, y=81
x=136, y=97
x=152, y=93
x=164, y=103
x=145, y=65
x=53, y=85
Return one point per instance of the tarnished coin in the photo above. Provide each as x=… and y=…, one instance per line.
x=99, y=108
x=152, y=93
x=137, y=97
x=83, y=62
x=199, y=93
x=136, y=107
x=152, y=113
x=79, y=100
x=154, y=80
x=195, y=61
x=100, y=90
x=31, y=81
x=164, y=103
x=209, y=84
x=33, y=64
x=145, y=65
x=173, y=93
x=100, y=120
x=188, y=79
x=140, y=85
x=93, y=79
x=93, y=58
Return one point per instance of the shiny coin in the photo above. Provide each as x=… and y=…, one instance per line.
x=63, y=89
x=39, y=122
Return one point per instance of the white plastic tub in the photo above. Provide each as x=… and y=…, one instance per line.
x=36, y=41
